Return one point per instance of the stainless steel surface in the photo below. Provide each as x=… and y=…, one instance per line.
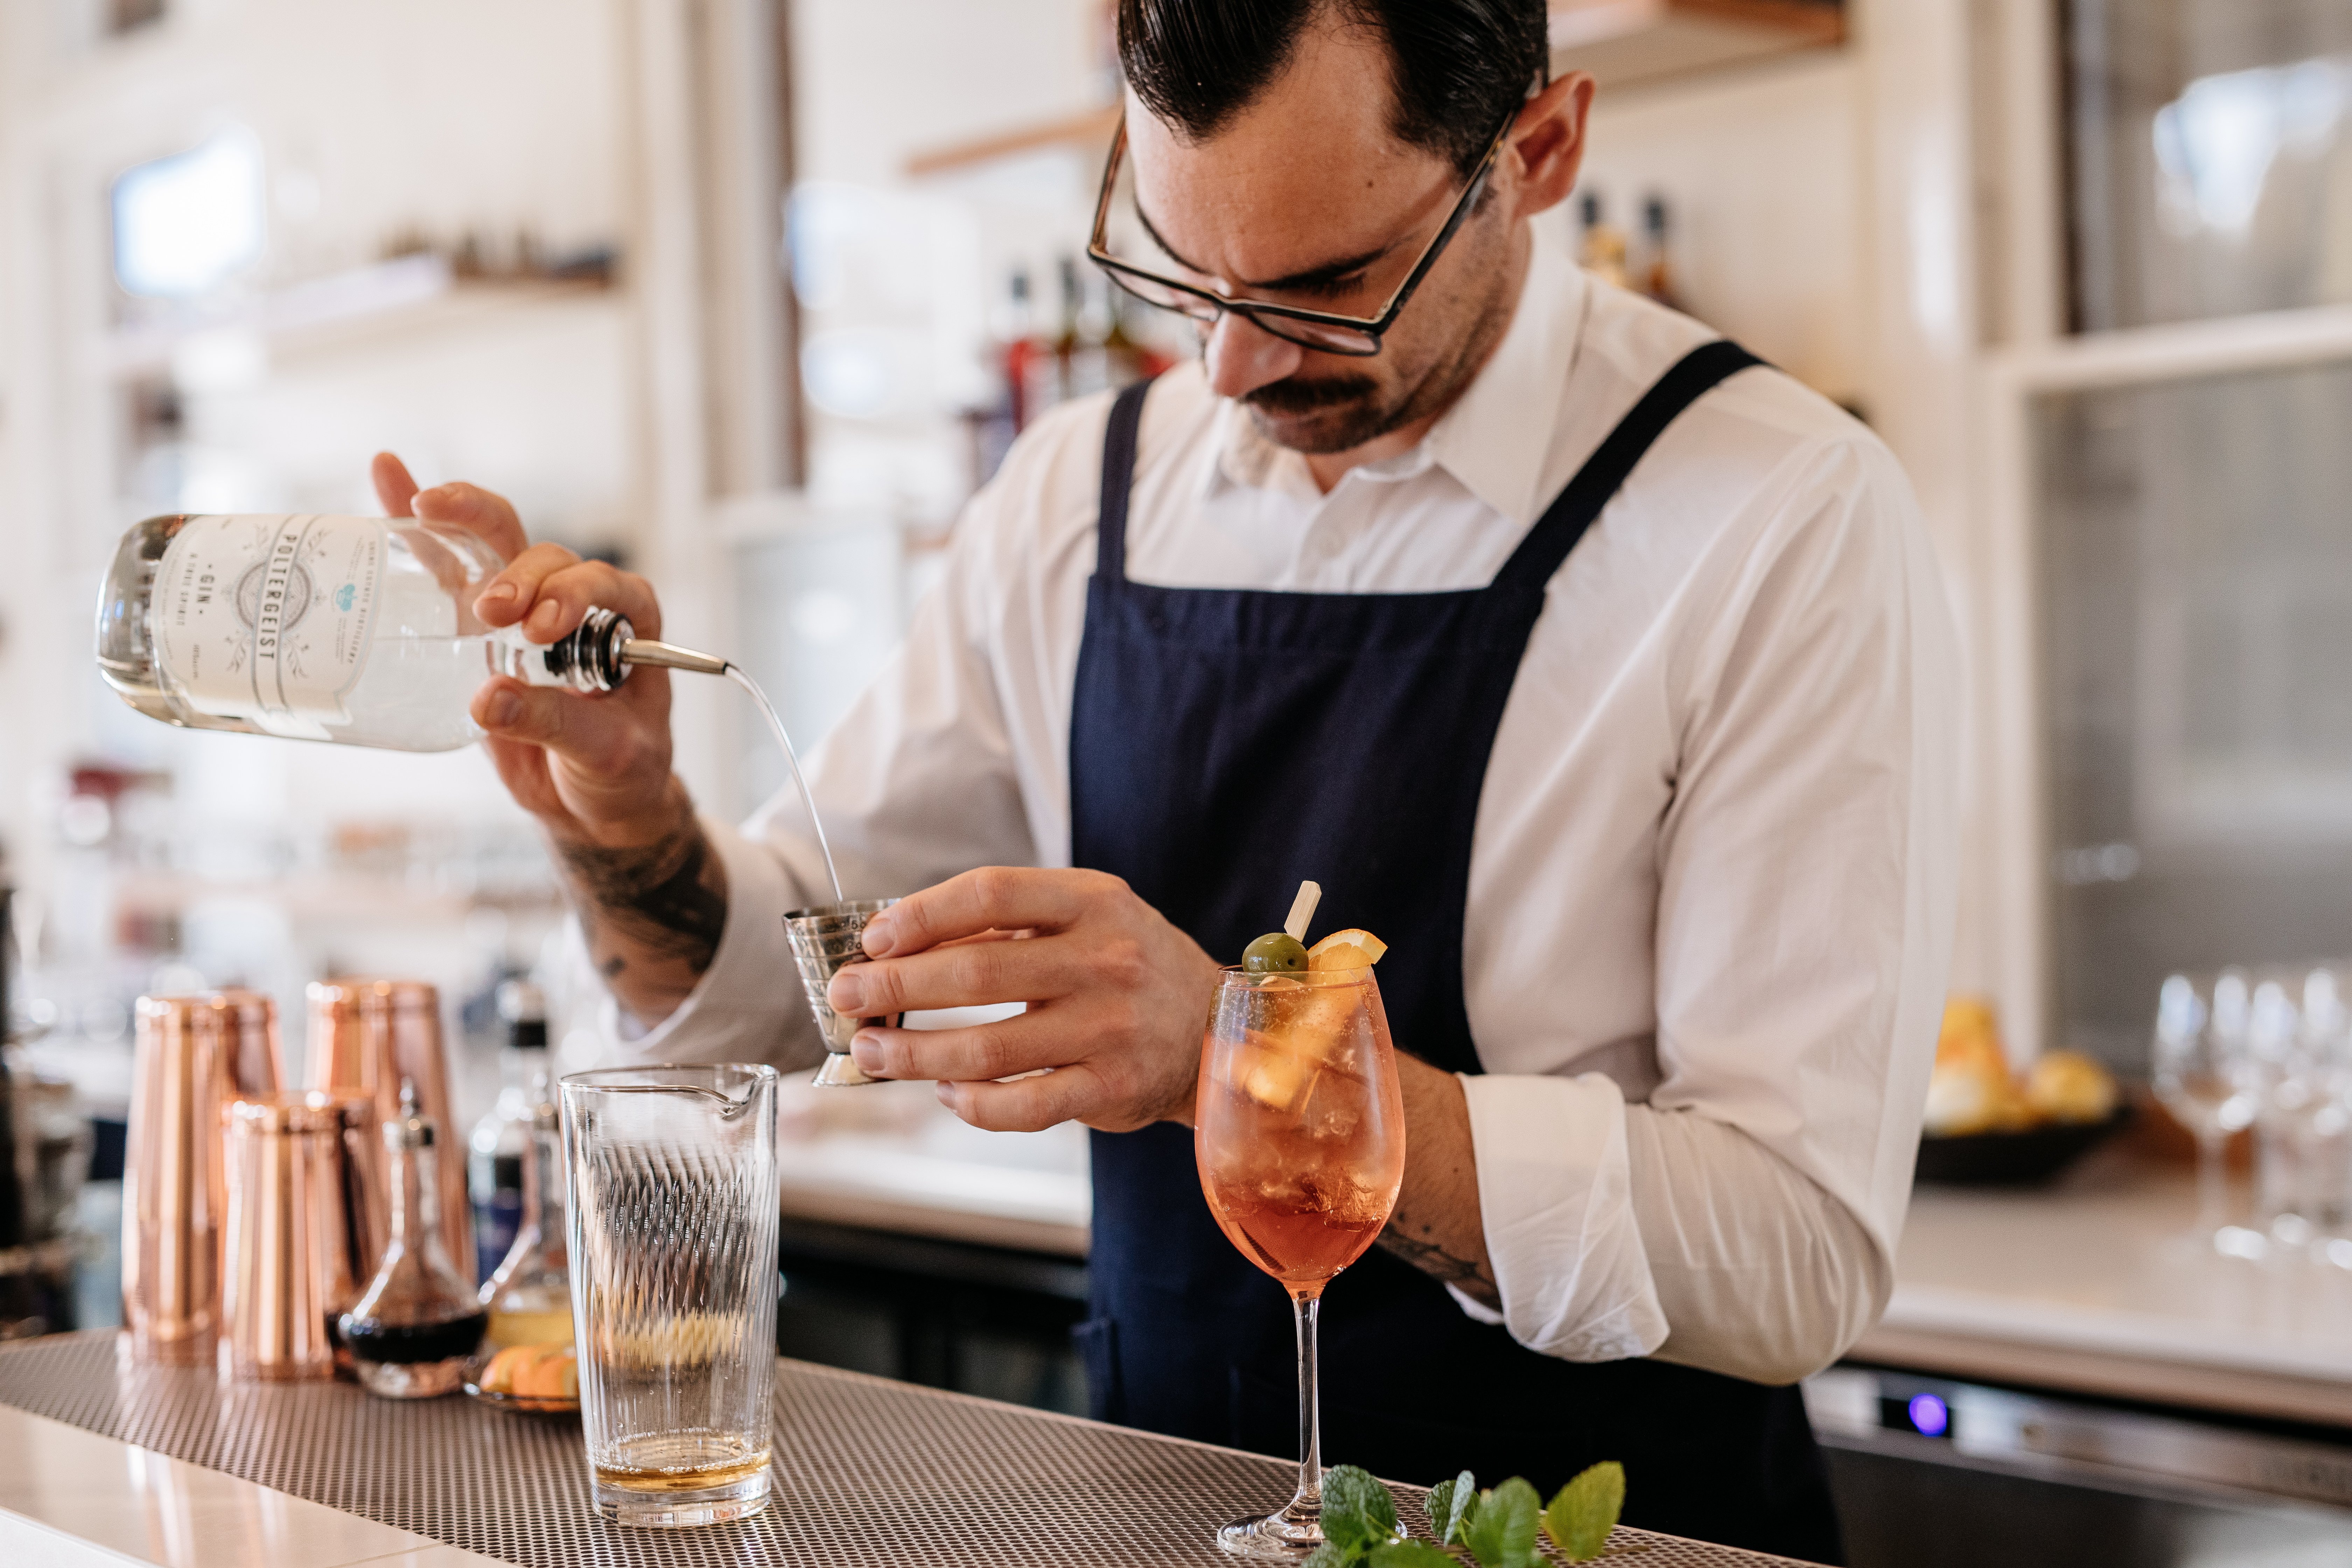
x=1856, y=1405
x=825, y=940
x=365, y=1037
x=288, y=1252
x=194, y=1055
x=869, y=1473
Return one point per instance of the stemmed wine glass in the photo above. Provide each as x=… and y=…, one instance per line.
x=2206, y=1076
x=1299, y=1132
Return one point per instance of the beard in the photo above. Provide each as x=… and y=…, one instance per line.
x=1323, y=415
x=1341, y=412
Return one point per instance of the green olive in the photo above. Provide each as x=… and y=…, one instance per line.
x=1275, y=953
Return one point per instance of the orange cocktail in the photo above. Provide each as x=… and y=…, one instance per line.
x=1299, y=1135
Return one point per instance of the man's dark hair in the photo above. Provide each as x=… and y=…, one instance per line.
x=1458, y=65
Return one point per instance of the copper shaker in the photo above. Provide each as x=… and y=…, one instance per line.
x=196, y=1054
x=290, y=1242
x=365, y=1037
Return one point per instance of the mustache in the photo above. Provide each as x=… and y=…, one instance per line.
x=1292, y=396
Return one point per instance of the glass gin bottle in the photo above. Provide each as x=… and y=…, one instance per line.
x=357, y=629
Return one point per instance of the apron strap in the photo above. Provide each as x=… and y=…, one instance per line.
x=1547, y=544
x=1117, y=480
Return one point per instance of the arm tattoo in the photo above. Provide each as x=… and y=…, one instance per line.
x=666, y=898
x=1442, y=1266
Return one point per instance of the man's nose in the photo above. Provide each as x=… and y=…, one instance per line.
x=1243, y=357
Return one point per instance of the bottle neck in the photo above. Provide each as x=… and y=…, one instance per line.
x=543, y=1206
x=416, y=1206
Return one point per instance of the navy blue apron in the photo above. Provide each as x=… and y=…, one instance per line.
x=1225, y=744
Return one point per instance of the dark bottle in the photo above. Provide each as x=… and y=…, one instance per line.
x=501, y=1138
x=1658, y=276
x=410, y=1332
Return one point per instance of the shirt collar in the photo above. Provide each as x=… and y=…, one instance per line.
x=1495, y=438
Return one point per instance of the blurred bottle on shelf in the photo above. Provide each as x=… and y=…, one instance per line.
x=501, y=1139
x=1131, y=360
x=1601, y=251
x=1024, y=361
x=1078, y=346
x=1658, y=280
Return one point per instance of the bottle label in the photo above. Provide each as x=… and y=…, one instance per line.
x=267, y=618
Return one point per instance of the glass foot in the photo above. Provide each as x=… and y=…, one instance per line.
x=682, y=1508
x=1284, y=1536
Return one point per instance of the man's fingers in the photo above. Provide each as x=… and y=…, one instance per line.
x=562, y=598
x=1005, y=897
x=1020, y=1044
x=600, y=736
x=481, y=512
x=960, y=974
x=394, y=490
x=1030, y=1105
x=509, y=596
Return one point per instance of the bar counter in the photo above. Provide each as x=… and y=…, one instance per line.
x=103, y=1461
x=2094, y=1286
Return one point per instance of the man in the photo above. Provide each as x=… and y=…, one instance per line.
x=1604, y=675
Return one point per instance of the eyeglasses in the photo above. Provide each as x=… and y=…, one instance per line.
x=1324, y=331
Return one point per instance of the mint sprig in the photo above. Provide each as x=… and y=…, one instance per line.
x=1499, y=1528
x=1580, y=1518
x=1451, y=1504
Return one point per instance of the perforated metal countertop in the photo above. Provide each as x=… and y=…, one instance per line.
x=869, y=1472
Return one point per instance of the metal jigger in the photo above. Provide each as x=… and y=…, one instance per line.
x=825, y=940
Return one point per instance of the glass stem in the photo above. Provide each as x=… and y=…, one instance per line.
x=2213, y=1192
x=1304, y=1308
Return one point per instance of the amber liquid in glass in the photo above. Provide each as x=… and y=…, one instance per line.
x=1300, y=1133
x=687, y=1477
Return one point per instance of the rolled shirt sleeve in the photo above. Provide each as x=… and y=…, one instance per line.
x=1741, y=1216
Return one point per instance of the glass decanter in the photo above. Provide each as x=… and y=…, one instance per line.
x=411, y=1330
x=530, y=1297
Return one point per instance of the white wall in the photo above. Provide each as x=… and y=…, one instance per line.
x=376, y=118
x=1762, y=171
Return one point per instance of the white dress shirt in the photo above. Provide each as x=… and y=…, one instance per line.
x=1712, y=884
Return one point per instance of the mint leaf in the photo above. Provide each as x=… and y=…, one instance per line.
x=1413, y=1554
x=1451, y=1504
x=1330, y=1556
x=1358, y=1514
x=1502, y=1533
x=1585, y=1511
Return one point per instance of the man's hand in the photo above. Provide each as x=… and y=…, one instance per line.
x=1118, y=998
x=595, y=770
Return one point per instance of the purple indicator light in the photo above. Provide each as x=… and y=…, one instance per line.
x=1930, y=1414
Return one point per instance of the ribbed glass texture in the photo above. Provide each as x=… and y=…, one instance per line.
x=674, y=1276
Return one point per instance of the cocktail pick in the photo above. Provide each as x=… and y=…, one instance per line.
x=1302, y=909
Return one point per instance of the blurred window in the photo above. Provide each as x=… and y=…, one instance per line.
x=2196, y=623
x=186, y=223
x=2211, y=152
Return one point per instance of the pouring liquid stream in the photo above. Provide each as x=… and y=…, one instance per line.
x=792, y=759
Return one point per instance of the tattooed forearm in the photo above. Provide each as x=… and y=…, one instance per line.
x=658, y=905
x=1473, y=1279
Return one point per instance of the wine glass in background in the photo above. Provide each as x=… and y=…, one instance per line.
x=1300, y=1133
x=2202, y=1073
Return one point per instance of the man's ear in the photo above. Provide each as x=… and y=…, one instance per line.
x=1548, y=143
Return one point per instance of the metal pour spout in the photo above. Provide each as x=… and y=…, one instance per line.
x=599, y=655
x=645, y=650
